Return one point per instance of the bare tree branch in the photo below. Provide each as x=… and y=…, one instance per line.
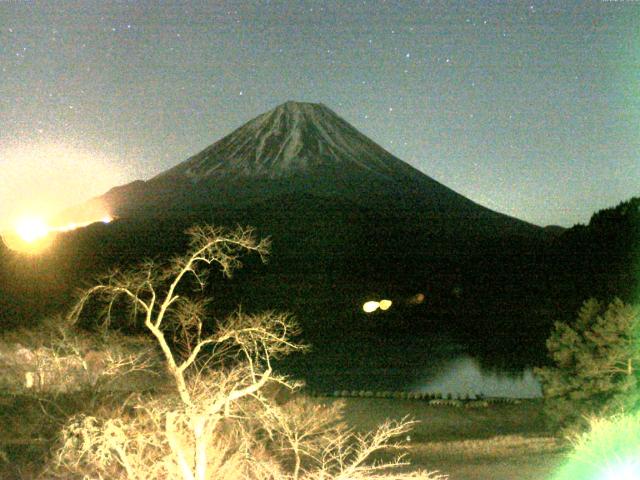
x=219, y=421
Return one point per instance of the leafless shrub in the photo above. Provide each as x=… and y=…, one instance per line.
x=59, y=358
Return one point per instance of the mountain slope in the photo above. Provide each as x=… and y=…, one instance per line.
x=303, y=148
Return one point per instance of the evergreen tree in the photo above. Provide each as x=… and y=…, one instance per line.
x=597, y=365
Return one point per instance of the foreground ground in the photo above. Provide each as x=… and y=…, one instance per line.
x=498, y=442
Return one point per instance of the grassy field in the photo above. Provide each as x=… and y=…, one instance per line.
x=498, y=442
x=501, y=441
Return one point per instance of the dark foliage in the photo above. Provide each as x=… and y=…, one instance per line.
x=330, y=255
x=601, y=259
x=596, y=367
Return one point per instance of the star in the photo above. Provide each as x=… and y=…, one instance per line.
x=321, y=54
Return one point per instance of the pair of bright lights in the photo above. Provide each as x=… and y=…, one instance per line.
x=372, y=305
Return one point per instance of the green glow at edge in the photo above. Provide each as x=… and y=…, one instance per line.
x=611, y=450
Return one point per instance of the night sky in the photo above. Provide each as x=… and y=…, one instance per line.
x=532, y=109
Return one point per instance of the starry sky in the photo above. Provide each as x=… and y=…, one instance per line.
x=529, y=108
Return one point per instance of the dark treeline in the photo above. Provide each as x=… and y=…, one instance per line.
x=496, y=294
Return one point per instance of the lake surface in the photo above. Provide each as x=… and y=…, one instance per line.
x=435, y=367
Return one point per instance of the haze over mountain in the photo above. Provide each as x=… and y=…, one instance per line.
x=300, y=148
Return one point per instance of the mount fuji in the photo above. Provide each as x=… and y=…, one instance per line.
x=348, y=222
x=302, y=150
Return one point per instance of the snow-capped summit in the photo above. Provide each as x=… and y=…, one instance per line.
x=293, y=137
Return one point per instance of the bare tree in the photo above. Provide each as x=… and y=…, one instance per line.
x=217, y=420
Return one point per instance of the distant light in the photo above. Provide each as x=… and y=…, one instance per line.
x=417, y=299
x=31, y=229
x=373, y=305
x=370, y=306
x=107, y=219
x=385, y=304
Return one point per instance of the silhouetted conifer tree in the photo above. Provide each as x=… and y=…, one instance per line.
x=597, y=365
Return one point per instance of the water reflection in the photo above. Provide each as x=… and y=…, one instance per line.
x=463, y=376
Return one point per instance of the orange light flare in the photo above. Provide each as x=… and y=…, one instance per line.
x=61, y=181
x=32, y=234
x=31, y=229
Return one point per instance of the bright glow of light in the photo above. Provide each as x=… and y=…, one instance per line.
x=75, y=225
x=31, y=229
x=66, y=228
x=629, y=470
x=609, y=451
x=370, y=306
x=33, y=235
x=46, y=178
x=385, y=304
x=373, y=305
